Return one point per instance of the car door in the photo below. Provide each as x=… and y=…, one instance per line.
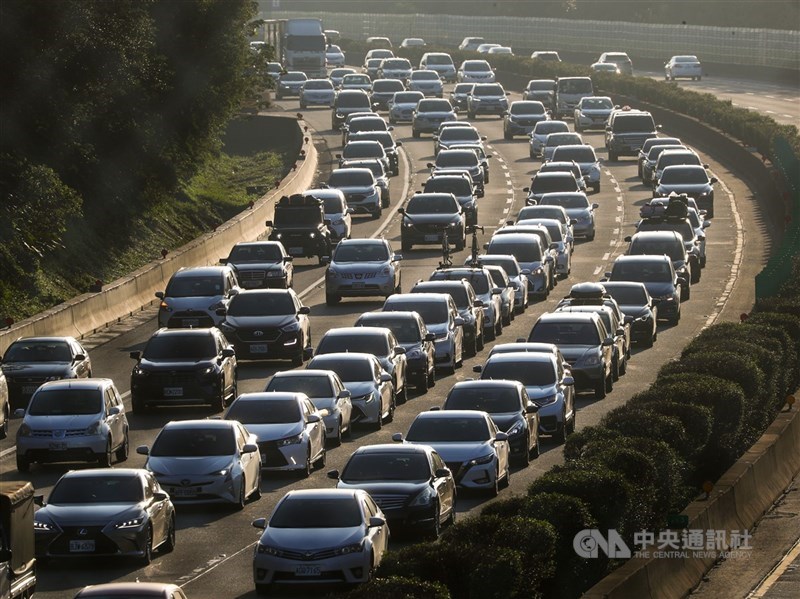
x=386, y=388
x=531, y=418
x=228, y=364
x=83, y=367
x=500, y=447
x=157, y=510
x=477, y=311
x=377, y=535
x=113, y=421
x=344, y=404
x=458, y=331
x=251, y=462
x=316, y=430
x=567, y=390
x=445, y=486
x=400, y=361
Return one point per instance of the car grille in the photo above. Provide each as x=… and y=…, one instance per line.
x=258, y=335
x=271, y=456
x=26, y=379
x=173, y=378
x=103, y=545
x=358, y=275
x=548, y=423
x=251, y=275
x=75, y=432
x=356, y=197
x=191, y=319
x=390, y=502
x=327, y=576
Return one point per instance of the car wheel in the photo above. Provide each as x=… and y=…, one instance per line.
x=23, y=464
x=610, y=382
x=578, y=128
x=303, y=105
x=507, y=136
x=494, y=490
x=537, y=449
x=331, y=299
x=696, y=272
x=337, y=440
x=600, y=389
x=322, y=459
x=436, y=528
x=147, y=550
x=402, y=396
x=124, y=449
x=613, y=156
x=470, y=115
x=498, y=328
x=242, y=499
x=105, y=459
x=392, y=407
x=615, y=370
x=507, y=478
x=590, y=237
x=561, y=433
x=414, y=133
x=297, y=360
x=169, y=543
x=377, y=214
x=4, y=429
x=422, y=383
x=306, y=472
x=218, y=404
x=648, y=342
x=257, y=491
x=596, y=187
x=525, y=458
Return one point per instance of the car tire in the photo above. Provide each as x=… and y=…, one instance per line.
x=306, y=471
x=138, y=406
x=104, y=460
x=498, y=328
x=561, y=433
x=123, y=450
x=168, y=546
x=4, y=428
x=615, y=368
x=648, y=342
x=600, y=389
x=610, y=382
x=23, y=464
x=242, y=499
x=414, y=133
x=392, y=406
x=218, y=404
x=256, y=495
x=405, y=245
x=377, y=214
x=596, y=187
x=525, y=459
x=494, y=490
x=402, y=397
x=578, y=128
x=686, y=293
x=322, y=459
x=591, y=237
x=337, y=440
x=303, y=106
x=331, y=299
x=147, y=556
x=422, y=383
x=436, y=529
x=507, y=136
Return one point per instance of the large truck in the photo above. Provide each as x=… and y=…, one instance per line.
x=17, y=545
x=303, y=47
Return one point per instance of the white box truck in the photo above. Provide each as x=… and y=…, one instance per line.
x=303, y=47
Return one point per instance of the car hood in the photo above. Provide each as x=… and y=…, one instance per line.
x=490, y=98
x=666, y=188
x=659, y=289
x=578, y=212
x=311, y=539
x=435, y=115
x=273, y=432
x=538, y=392
x=199, y=303
x=367, y=266
x=351, y=189
x=575, y=352
x=248, y=322
x=438, y=328
x=460, y=452
x=61, y=422
x=190, y=466
x=393, y=487
x=247, y=266
x=430, y=219
x=182, y=365
x=505, y=420
x=634, y=310
x=92, y=514
x=359, y=388
x=596, y=111
x=38, y=369
x=404, y=106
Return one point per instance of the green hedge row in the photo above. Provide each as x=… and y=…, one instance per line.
x=643, y=461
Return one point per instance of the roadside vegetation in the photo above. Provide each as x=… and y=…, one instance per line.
x=111, y=147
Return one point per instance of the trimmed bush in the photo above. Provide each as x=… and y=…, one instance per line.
x=697, y=421
x=631, y=421
x=789, y=324
x=398, y=587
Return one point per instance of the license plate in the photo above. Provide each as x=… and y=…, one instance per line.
x=431, y=238
x=179, y=492
x=258, y=348
x=358, y=285
x=173, y=391
x=81, y=546
x=29, y=389
x=306, y=570
x=191, y=322
x=57, y=446
x=295, y=251
x=248, y=284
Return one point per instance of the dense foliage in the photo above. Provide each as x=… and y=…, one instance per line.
x=106, y=108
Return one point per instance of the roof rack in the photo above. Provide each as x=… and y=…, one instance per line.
x=676, y=207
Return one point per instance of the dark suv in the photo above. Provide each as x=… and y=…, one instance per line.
x=260, y=264
x=470, y=308
x=627, y=130
x=184, y=366
x=300, y=225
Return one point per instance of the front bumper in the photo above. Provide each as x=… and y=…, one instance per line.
x=181, y=388
x=62, y=449
x=444, y=351
x=280, y=345
x=586, y=377
x=488, y=107
x=285, y=458
x=76, y=541
x=328, y=569
x=200, y=489
x=365, y=286
x=317, y=100
x=479, y=476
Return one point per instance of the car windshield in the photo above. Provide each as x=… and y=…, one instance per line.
x=406, y=330
x=367, y=148
x=477, y=66
x=683, y=228
x=527, y=108
x=486, y=399
x=408, y=98
x=72, y=402
x=439, y=59
x=541, y=86
x=523, y=252
x=465, y=158
x=528, y=372
x=655, y=151
x=458, y=186
x=510, y=266
x=338, y=73
x=457, y=292
x=463, y=88
x=438, y=204
x=448, y=430
x=685, y=59
x=324, y=84
x=628, y=295
x=344, y=177
x=194, y=442
x=310, y=512
x=459, y=134
x=313, y=385
x=361, y=252
x=553, y=228
x=195, y=286
x=432, y=312
x=272, y=411
x=107, y=488
x=562, y=139
x=550, y=184
x=38, y=351
x=596, y=104
x=294, y=77
x=349, y=370
x=180, y=347
x=362, y=149
x=499, y=278
x=424, y=76
x=255, y=253
x=632, y=123
x=642, y=272
x=375, y=344
x=391, y=85
x=356, y=80
x=434, y=106
x=488, y=90
x=566, y=201
x=684, y=176
x=352, y=101
x=396, y=63
x=374, y=63
x=548, y=127
x=575, y=86
x=261, y=304
x=539, y=211
x=578, y=154
x=565, y=333
x=333, y=205
x=403, y=466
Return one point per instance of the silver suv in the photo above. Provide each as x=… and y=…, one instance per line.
x=195, y=295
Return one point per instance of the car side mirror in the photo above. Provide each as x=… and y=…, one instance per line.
x=401, y=211
x=386, y=377
x=479, y=303
x=608, y=341
x=397, y=257
x=143, y=450
x=135, y=355
x=526, y=189
x=607, y=275
x=268, y=223
x=430, y=336
x=595, y=206
x=19, y=413
x=259, y=523
x=375, y=522
x=430, y=165
x=568, y=380
x=325, y=259
x=628, y=319
x=313, y=418
x=114, y=410
x=554, y=245
x=459, y=322
x=304, y=310
x=573, y=221
x=160, y=496
x=496, y=291
x=397, y=437
x=501, y=436
x=442, y=473
x=334, y=474
x=486, y=246
x=477, y=368
x=531, y=408
x=250, y=448
x=344, y=394
x=706, y=224
x=228, y=352
x=628, y=238
x=160, y=295
x=620, y=331
x=399, y=350
x=350, y=211
x=713, y=180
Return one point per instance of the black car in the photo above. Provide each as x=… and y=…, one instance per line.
x=411, y=484
x=387, y=141
x=184, y=366
x=427, y=216
x=692, y=180
x=470, y=308
x=414, y=337
x=627, y=130
x=634, y=301
x=668, y=243
x=300, y=226
x=461, y=187
x=31, y=361
x=510, y=408
x=260, y=264
x=268, y=324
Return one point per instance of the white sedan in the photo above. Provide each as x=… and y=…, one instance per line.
x=320, y=536
x=687, y=67
x=334, y=57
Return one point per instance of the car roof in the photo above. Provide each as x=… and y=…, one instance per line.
x=199, y=332
x=363, y=241
x=260, y=396
x=522, y=356
x=568, y=317
x=126, y=589
x=451, y=414
x=93, y=383
x=530, y=237
x=352, y=355
x=349, y=331
x=283, y=374
x=204, y=423
x=201, y=270
x=645, y=235
x=45, y=339
x=393, y=315
x=525, y=346
x=325, y=493
x=642, y=258
x=100, y=472
x=441, y=283
x=487, y=383
x=394, y=448
x=418, y=297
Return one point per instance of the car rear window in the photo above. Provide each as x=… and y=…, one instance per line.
x=312, y=385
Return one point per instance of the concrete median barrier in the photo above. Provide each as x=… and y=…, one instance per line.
x=89, y=312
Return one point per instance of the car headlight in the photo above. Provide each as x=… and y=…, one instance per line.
x=516, y=429
x=484, y=459
x=216, y=306
x=225, y=327
x=546, y=401
x=347, y=549
x=365, y=398
x=131, y=523
x=95, y=428
x=591, y=360
x=267, y=550
x=206, y=370
x=139, y=372
x=312, y=235
x=424, y=497
x=273, y=274
x=293, y=440
x=24, y=430
x=291, y=327
x=226, y=472
x=39, y=526
x=54, y=377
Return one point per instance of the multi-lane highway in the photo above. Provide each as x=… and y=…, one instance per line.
x=213, y=556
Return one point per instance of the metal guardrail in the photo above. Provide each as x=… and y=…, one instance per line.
x=725, y=45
